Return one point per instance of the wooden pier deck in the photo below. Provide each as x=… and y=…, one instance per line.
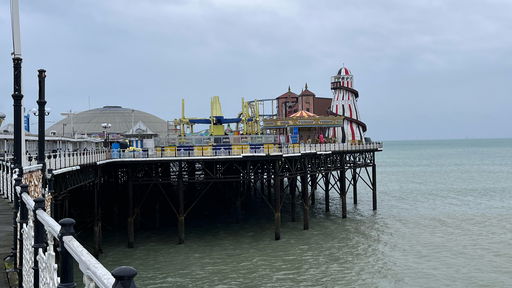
x=5, y=236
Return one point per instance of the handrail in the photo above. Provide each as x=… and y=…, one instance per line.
x=94, y=272
x=28, y=200
x=65, y=161
x=49, y=223
x=88, y=264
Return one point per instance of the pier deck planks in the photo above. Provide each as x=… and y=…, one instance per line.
x=5, y=236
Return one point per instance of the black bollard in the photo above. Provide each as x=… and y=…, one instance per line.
x=66, y=260
x=17, y=182
x=23, y=221
x=124, y=277
x=39, y=238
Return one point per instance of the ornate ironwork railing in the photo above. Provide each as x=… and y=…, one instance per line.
x=36, y=236
x=63, y=159
x=6, y=182
x=245, y=149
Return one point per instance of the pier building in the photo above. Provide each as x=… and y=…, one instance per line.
x=289, y=103
x=112, y=123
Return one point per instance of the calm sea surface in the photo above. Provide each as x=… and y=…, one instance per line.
x=444, y=220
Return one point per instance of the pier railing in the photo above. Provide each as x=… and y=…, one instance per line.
x=35, y=238
x=234, y=150
x=63, y=159
x=6, y=184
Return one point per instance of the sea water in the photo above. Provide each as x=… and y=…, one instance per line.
x=444, y=220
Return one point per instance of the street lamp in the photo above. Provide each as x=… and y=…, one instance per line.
x=41, y=127
x=105, y=126
x=36, y=112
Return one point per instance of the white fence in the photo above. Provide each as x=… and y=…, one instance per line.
x=267, y=149
x=36, y=236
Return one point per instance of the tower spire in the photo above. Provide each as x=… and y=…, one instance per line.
x=306, y=86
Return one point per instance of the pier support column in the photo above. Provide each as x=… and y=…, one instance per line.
x=238, y=188
x=343, y=193
x=305, y=199
x=292, y=183
x=326, y=185
x=374, y=182
x=130, y=228
x=277, y=204
x=262, y=183
x=157, y=215
x=269, y=184
x=354, y=185
x=314, y=182
x=181, y=209
x=97, y=221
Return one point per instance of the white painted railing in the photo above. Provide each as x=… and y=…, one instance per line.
x=94, y=273
x=234, y=150
x=63, y=159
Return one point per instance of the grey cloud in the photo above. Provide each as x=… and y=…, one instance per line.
x=425, y=69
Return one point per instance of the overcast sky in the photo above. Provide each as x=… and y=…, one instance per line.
x=424, y=69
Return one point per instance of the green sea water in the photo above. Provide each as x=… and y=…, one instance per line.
x=444, y=220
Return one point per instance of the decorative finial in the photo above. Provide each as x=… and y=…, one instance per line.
x=289, y=89
x=306, y=86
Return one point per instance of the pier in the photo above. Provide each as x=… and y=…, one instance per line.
x=136, y=188
x=57, y=186
x=116, y=187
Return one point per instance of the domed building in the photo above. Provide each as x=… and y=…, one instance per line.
x=115, y=122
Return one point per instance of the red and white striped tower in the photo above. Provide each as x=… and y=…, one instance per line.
x=344, y=103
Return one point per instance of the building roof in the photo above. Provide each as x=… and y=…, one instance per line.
x=306, y=92
x=303, y=114
x=123, y=121
x=288, y=94
x=344, y=71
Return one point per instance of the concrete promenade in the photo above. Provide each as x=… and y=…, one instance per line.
x=5, y=236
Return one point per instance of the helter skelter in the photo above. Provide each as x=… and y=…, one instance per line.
x=344, y=103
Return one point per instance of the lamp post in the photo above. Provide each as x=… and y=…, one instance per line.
x=105, y=126
x=41, y=113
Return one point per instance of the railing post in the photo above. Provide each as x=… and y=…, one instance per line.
x=39, y=238
x=49, y=193
x=66, y=260
x=124, y=277
x=41, y=103
x=17, y=182
x=23, y=220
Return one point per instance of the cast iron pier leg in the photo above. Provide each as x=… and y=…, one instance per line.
x=277, y=204
x=97, y=220
x=343, y=193
x=131, y=230
x=313, y=187
x=354, y=185
x=326, y=185
x=374, y=190
x=293, y=193
x=305, y=199
x=181, y=209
